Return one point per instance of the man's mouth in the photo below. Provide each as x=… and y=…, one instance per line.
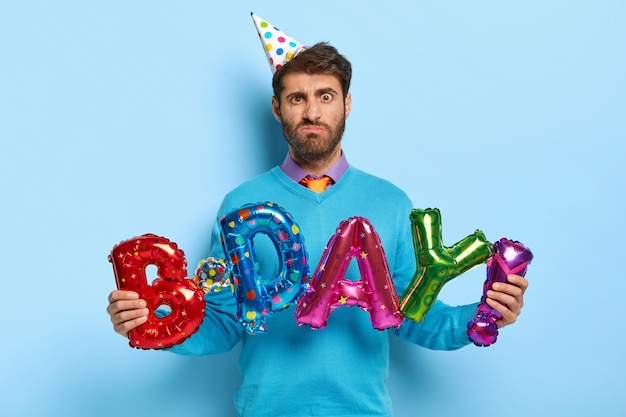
x=310, y=128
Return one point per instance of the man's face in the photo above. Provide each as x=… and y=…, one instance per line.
x=313, y=113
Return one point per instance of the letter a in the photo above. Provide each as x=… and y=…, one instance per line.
x=375, y=292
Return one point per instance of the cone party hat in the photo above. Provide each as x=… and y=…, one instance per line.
x=279, y=48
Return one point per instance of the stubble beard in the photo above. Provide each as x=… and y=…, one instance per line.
x=314, y=147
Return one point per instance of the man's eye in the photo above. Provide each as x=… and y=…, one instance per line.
x=296, y=100
x=327, y=97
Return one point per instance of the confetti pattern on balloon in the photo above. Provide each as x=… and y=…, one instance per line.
x=170, y=291
x=213, y=275
x=258, y=296
x=279, y=48
x=437, y=264
x=510, y=257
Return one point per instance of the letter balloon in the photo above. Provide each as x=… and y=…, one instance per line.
x=510, y=257
x=170, y=291
x=437, y=264
x=328, y=290
x=258, y=297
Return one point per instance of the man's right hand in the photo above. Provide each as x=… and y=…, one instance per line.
x=127, y=311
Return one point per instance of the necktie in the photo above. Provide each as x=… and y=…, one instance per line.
x=316, y=184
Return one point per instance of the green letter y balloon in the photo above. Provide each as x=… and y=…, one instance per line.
x=436, y=264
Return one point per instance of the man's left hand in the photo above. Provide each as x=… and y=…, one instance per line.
x=508, y=298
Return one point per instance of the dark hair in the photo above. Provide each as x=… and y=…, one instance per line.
x=320, y=58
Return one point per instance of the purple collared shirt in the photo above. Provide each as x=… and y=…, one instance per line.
x=296, y=173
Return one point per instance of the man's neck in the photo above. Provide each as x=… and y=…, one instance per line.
x=318, y=167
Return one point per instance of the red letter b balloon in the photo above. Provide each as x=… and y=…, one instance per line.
x=182, y=296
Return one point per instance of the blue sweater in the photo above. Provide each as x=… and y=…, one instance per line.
x=340, y=370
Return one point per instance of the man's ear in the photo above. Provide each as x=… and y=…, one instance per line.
x=348, y=105
x=276, y=109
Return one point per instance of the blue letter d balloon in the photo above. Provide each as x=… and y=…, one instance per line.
x=257, y=296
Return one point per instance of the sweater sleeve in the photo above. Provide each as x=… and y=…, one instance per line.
x=443, y=328
x=220, y=330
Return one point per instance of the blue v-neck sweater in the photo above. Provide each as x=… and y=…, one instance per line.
x=340, y=370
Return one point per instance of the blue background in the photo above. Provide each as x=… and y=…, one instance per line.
x=120, y=118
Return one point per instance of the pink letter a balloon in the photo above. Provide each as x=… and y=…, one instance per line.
x=328, y=290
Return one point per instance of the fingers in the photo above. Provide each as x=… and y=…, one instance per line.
x=126, y=310
x=123, y=327
x=508, y=299
x=122, y=295
x=509, y=315
x=519, y=281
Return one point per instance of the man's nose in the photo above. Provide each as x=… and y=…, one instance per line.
x=312, y=111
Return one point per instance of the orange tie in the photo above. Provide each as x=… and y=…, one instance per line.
x=316, y=184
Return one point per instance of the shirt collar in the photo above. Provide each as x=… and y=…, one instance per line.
x=296, y=173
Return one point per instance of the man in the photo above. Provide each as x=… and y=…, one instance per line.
x=340, y=370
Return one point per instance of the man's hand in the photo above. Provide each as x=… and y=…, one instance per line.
x=127, y=311
x=508, y=299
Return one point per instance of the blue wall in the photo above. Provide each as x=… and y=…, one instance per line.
x=119, y=118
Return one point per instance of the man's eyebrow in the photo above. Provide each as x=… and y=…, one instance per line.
x=319, y=92
x=326, y=90
x=296, y=93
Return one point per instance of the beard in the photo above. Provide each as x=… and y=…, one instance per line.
x=314, y=147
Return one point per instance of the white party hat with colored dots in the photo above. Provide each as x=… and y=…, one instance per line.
x=278, y=47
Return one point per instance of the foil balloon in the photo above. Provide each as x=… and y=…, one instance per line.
x=258, y=297
x=510, y=257
x=328, y=289
x=437, y=264
x=213, y=275
x=170, y=291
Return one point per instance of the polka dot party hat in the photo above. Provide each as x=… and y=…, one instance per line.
x=278, y=47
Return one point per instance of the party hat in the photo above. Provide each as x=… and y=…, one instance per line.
x=278, y=47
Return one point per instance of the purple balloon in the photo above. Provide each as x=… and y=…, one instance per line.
x=510, y=257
